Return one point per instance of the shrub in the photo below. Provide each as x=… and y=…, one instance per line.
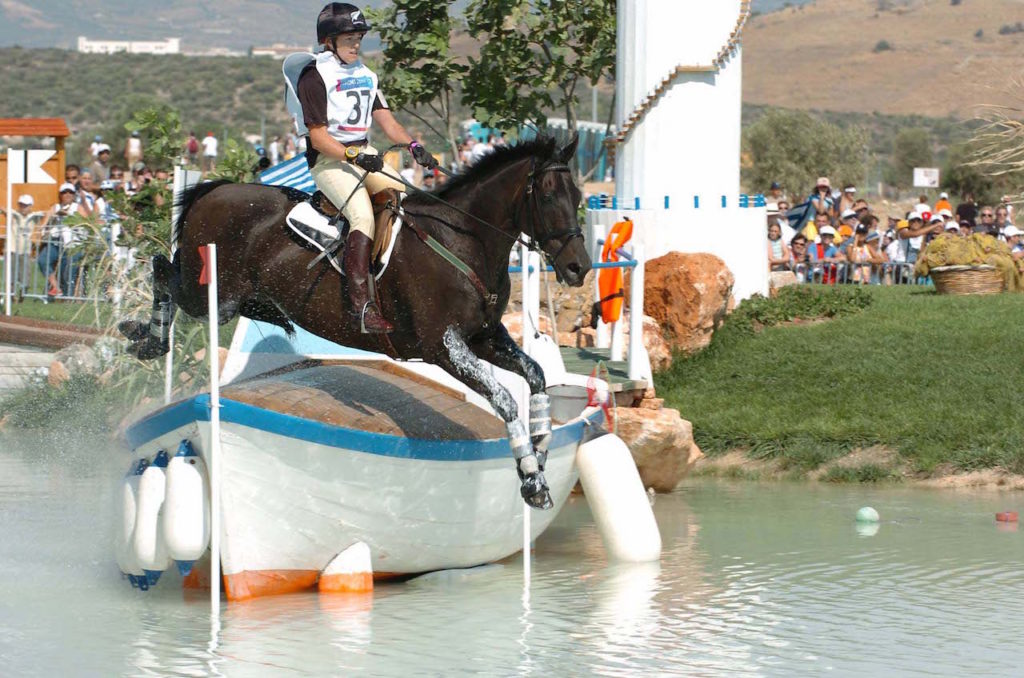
x=882, y=46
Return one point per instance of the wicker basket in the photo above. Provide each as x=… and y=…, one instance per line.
x=981, y=279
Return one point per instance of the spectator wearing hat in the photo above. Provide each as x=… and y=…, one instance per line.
x=825, y=255
x=943, y=203
x=821, y=199
x=52, y=237
x=848, y=223
x=100, y=167
x=911, y=233
x=938, y=227
x=847, y=199
x=209, y=152
x=877, y=254
x=951, y=228
x=1013, y=239
x=966, y=228
x=776, y=194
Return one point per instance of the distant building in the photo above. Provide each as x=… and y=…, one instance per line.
x=279, y=51
x=168, y=46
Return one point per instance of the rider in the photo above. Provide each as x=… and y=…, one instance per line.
x=340, y=100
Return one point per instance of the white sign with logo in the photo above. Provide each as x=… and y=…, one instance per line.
x=926, y=177
x=23, y=167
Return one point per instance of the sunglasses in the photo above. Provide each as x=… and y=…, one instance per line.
x=987, y=214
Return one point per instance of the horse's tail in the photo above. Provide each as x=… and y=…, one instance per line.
x=188, y=198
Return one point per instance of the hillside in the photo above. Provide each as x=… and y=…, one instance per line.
x=824, y=56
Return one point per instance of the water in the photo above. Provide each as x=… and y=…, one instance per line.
x=756, y=580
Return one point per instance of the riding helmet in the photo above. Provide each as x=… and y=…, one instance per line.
x=340, y=17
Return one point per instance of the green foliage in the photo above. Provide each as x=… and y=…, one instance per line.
x=911, y=148
x=882, y=46
x=535, y=56
x=160, y=129
x=794, y=147
x=894, y=374
x=420, y=69
x=236, y=163
x=865, y=473
x=803, y=302
x=82, y=399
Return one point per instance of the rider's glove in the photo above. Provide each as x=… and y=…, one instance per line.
x=369, y=162
x=422, y=155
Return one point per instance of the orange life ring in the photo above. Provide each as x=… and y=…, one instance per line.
x=609, y=280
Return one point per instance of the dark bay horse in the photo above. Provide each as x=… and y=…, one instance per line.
x=443, y=315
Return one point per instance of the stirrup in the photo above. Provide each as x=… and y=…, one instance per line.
x=362, y=320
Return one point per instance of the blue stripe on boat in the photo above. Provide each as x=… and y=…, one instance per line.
x=196, y=409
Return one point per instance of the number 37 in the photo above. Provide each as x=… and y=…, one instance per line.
x=360, y=107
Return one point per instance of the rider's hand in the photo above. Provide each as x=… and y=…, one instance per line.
x=369, y=162
x=422, y=155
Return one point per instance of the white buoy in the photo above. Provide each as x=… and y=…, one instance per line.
x=128, y=503
x=618, y=500
x=186, y=510
x=147, y=541
x=348, y=572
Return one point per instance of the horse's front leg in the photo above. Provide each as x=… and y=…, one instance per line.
x=458, y=360
x=500, y=350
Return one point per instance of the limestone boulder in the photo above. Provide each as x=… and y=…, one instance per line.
x=688, y=295
x=73, y=361
x=662, y=445
x=514, y=324
x=779, y=279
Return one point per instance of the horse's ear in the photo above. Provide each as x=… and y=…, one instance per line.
x=569, y=152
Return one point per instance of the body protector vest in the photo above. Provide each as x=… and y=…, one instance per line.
x=352, y=95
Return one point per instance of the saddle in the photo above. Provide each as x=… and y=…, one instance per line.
x=320, y=226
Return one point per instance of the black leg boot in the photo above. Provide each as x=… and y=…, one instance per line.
x=357, y=274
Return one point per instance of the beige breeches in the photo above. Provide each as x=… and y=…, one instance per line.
x=338, y=179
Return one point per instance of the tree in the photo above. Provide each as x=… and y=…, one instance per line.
x=960, y=176
x=911, y=148
x=420, y=69
x=793, y=147
x=534, y=55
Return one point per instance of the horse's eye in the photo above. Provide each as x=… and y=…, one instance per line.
x=548, y=198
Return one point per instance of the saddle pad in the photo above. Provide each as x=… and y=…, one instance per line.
x=316, y=229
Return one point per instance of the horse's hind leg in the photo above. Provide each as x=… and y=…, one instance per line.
x=458, y=360
x=152, y=340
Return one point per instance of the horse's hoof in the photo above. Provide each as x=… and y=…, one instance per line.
x=133, y=330
x=535, y=491
x=150, y=349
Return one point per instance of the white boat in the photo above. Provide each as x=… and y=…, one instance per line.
x=323, y=447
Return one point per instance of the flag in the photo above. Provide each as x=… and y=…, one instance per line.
x=204, y=272
x=292, y=173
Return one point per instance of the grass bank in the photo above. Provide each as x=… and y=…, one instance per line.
x=933, y=382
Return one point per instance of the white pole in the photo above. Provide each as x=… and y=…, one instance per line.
x=213, y=354
x=7, y=241
x=177, y=187
x=524, y=401
x=636, y=312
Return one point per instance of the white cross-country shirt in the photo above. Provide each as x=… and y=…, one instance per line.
x=210, y=146
x=352, y=95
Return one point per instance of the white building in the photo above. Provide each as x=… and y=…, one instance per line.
x=679, y=91
x=279, y=50
x=168, y=46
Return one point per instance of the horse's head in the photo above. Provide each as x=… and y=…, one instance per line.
x=550, y=208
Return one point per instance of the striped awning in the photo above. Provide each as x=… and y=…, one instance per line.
x=292, y=173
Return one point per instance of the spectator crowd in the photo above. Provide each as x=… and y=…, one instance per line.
x=835, y=236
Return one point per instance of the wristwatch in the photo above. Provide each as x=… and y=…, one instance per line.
x=351, y=153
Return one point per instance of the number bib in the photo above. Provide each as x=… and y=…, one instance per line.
x=351, y=93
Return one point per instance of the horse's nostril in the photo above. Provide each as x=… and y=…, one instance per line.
x=574, y=268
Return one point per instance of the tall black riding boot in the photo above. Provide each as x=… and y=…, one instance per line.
x=357, y=273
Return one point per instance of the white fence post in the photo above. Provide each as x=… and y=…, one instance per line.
x=636, y=312
x=214, y=355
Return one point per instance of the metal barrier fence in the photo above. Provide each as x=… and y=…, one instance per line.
x=54, y=261
x=844, y=273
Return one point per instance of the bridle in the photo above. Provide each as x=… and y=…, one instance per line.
x=532, y=207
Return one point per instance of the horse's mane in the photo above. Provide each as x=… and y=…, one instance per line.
x=188, y=198
x=542, y=148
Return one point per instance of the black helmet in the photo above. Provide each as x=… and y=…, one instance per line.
x=340, y=17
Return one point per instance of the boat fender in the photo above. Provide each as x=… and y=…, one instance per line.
x=147, y=541
x=350, y=571
x=127, y=510
x=617, y=499
x=186, y=509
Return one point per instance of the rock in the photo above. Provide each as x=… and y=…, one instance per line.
x=513, y=322
x=658, y=349
x=662, y=445
x=652, y=403
x=779, y=279
x=75, y=360
x=688, y=295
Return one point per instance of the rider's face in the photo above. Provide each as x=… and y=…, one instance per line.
x=348, y=46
